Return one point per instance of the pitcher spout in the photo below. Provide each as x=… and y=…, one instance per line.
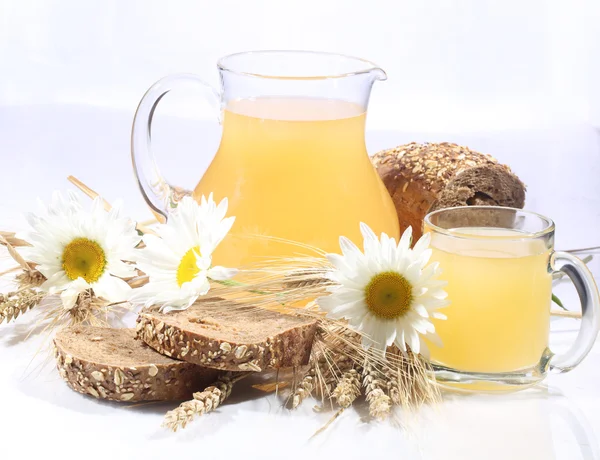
x=378, y=74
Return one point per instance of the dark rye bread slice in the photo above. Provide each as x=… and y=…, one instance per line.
x=225, y=336
x=112, y=364
x=425, y=177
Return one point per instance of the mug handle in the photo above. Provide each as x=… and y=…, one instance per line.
x=158, y=193
x=586, y=288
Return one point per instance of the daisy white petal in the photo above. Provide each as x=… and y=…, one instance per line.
x=338, y=262
x=111, y=288
x=405, y=239
x=349, y=249
x=388, y=293
x=423, y=348
x=121, y=269
x=69, y=295
x=422, y=244
x=400, y=340
x=390, y=333
x=71, y=246
x=433, y=338
x=420, y=310
x=437, y=293
x=413, y=340
x=413, y=273
x=55, y=282
x=346, y=310
x=424, y=257
x=371, y=243
x=221, y=273
x=179, y=262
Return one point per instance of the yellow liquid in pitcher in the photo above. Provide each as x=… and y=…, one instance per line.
x=295, y=169
x=500, y=293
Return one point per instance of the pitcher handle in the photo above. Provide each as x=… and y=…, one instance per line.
x=158, y=193
x=586, y=288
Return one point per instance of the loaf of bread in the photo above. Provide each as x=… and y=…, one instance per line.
x=425, y=177
x=226, y=336
x=112, y=364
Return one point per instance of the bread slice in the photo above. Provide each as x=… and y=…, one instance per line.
x=424, y=177
x=112, y=364
x=223, y=335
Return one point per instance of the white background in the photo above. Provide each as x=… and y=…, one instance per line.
x=518, y=79
x=452, y=64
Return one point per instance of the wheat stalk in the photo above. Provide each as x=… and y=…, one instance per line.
x=410, y=382
x=15, y=255
x=379, y=403
x=326, y=369
x=566, y=314
x=347, y=389
x=330, y=366
x=12, y=239
x=107, y=206
x=17, y=303
x=204, y=402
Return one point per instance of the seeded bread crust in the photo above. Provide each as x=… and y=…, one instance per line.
x=228, y=337
x=112, y=364
x=424, y=177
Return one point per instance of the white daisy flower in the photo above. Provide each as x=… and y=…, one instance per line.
x=179, y=260
x=78, y=250
x=388, y=293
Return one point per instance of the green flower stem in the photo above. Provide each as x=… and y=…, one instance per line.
x=558, y=302
x=238, y=283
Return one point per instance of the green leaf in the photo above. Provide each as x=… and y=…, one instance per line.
x=557, y=301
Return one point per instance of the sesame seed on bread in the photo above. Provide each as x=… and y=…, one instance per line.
x=424, y=177
x=112, y=364
x=225, y=336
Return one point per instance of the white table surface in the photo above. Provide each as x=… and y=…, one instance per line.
x=41, y=417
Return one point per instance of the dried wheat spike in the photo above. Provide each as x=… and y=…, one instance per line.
x=304, y=389
x=17, y=303
x=204, y=402
x=347, y=389
x=303, y=279
x=379, y=403
x=329, y=368
x=391, y=380
x=408, y=382
x=30, y=279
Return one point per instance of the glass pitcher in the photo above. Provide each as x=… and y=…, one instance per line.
x=292, y=160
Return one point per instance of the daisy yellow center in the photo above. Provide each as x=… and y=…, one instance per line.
x=188, y=268
x=83, y=258
x=388, y=295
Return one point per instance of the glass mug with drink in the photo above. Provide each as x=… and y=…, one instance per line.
x=292, y=161
x=498, y=263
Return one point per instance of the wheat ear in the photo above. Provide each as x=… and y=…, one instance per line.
x=347, y=389
x=409, y=382
x=29, y=279
x=17, y=303
x=379, y=403
x=304, y=388
x=204, y=402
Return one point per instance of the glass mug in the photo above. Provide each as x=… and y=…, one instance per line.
x=498, y=263
x=292, y=160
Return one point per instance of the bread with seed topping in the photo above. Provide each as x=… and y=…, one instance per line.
x=223, y=335
x=112, y=364
x=425, y=177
